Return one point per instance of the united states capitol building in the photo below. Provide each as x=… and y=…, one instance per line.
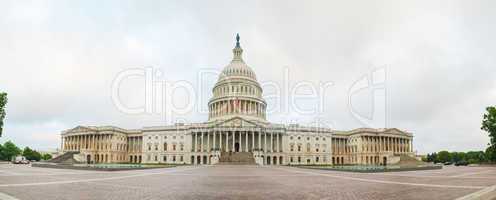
x=237, y=132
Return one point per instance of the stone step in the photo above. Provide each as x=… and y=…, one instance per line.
x=241, y=158
x=67, y=158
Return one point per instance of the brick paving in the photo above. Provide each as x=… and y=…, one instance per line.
x=241, y=182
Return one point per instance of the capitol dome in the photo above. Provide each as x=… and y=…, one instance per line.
x=237, y=92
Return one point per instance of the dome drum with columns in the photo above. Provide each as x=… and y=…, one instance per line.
x=237, y=132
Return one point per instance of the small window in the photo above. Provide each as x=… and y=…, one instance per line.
x=291, y=137
x=317, y=138
x=308, y=138
x=299, y=138
x=165, y=137
x=165, y=158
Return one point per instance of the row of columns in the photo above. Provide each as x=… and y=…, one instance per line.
x=90, y=141
x=225, y=141
x=339, y=146
x=100, y=142
x=135, y=144
x=232, y=106
x=383, y=143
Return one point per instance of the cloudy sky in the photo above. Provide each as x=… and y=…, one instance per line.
x=436, y=59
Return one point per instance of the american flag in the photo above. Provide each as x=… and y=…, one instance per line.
x=236, y=103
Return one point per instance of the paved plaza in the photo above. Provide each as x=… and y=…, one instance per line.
x=243, y=182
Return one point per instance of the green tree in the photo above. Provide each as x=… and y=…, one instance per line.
x=443, y=156
x=458, y=156
x=475, y=157
x=3, y=102
x=31, y=154
x=46, y=156
x=27, y=152
x=434, y=158
x=489, y=125
x=9, y=150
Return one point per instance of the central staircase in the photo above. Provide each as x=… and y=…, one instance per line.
x=236, y=158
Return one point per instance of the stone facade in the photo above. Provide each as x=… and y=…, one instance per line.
x=237, y=123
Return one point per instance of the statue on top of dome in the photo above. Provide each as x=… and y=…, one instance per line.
x=237, y=40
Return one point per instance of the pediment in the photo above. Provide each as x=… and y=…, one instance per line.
x=396, y=131
x=80, y=129
x=238, y=122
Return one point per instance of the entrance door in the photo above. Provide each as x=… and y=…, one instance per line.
x=236, y=147
x=384, y=161
x=88, y=159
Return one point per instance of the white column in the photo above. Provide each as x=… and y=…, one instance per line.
x=246, y=141
x=252, y=140
x=259, y=140
x=271, y=142
x=265, y=142
x=220, y=141
x=411, y=145
x=240, y=142
x=233, y=140
x=277, y=144
x=208, y=141
x=214, y=139
x=195, y=141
